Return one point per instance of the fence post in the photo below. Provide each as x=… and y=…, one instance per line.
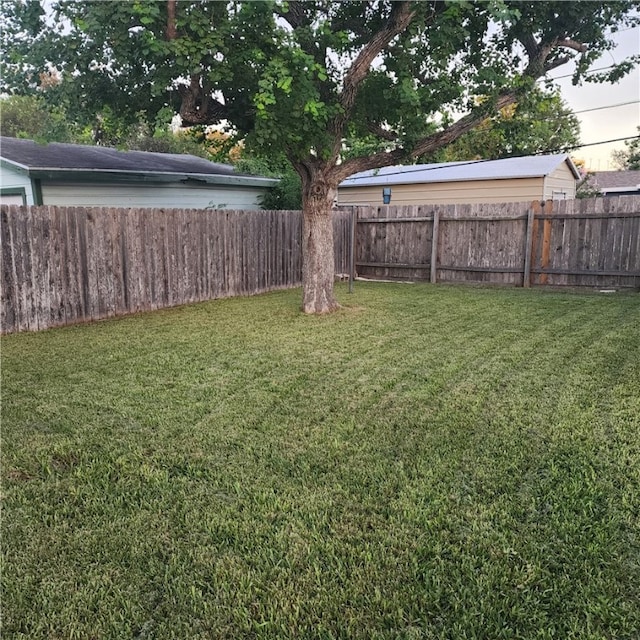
x=352, y=248
x=528, y=248
x=547, y=208
x=434, y=247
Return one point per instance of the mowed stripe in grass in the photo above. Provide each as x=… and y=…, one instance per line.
x=430, y=462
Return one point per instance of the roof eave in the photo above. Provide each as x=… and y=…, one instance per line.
x=365, y=183
x=16, y=166
x=115, y=175
x=574, y=169
x=631, y=187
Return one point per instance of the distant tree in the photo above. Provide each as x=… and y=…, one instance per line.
x=301, y=79
x=287, y=194
x=628, y=159
x=586, y=187
x=31, y=117
x=538, y=123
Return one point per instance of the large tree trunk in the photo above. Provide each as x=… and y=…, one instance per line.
x=317, y=245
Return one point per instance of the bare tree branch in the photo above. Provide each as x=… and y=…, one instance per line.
x=558, y=62
x=380, y=132
x=429, y=144
x=171, y=20
x=573, y=44
x=399, y=19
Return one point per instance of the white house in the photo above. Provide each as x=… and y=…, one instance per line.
x=79, y=175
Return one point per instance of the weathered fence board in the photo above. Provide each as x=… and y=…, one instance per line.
x=61, y=265
x=575, y=242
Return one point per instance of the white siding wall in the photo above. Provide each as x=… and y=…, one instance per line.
x=10, y=179
x=560, y=184
x=152, y=195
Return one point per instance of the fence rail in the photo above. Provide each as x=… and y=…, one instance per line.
x=62, y=265
x=593, y=243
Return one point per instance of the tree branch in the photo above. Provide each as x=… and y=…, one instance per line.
x=550, y=66
x=530, y=44
x=429, y=144
x=197, y=106
x=399, y=19
x=171, y=20
x=572, y=44
x=538, y=54
x=295, y=14
x=384, y=134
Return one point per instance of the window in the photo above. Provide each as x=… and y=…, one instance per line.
x=13, y=195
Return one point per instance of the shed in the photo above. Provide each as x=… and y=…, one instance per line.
x=480, y=181
x=80, y=175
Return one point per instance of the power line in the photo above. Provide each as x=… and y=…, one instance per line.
x=611, y=66
x=570, y=75
x=441, y=165
x=610, y=106
x=593, y=144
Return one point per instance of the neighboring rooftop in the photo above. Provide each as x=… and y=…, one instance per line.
x=56, y=157
x=525, y=167
x=616, y=181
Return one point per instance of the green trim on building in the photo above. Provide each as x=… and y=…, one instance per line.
x=128, y=177
x=14, y=191
x=14, y=166
x=36, y=187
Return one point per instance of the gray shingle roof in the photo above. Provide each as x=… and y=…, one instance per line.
x=525, y=167
x=616, y=179
x=60, y=157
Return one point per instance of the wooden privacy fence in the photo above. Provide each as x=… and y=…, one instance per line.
x=62, y=265
x=593, y=243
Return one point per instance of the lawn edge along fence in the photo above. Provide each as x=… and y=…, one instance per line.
x=64, y=265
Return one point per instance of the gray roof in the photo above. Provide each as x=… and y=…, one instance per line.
x=525, y=167
x=59, y=159
x=616, y=180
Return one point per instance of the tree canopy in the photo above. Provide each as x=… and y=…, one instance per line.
x=539, y=122
x=303, y=79
x=628, y=159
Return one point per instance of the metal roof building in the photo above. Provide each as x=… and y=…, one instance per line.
x=507, y=180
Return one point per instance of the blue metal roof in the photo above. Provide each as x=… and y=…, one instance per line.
x=505, y=169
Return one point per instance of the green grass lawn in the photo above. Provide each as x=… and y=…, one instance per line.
x=429, y=462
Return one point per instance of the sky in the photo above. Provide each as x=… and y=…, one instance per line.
x=605, y=124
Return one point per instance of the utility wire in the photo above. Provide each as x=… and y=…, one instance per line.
x=570, y=75
x=593, y=144
x=610, y=106
x=441, y=165
x=590, y=71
